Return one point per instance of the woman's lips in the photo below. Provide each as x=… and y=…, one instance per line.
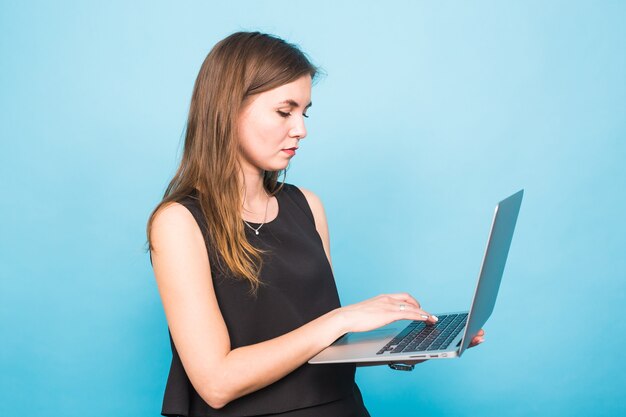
x=290, y=151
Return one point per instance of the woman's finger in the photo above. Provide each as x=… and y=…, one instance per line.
x=407, y=311
x=476, y=341
x=405, y=297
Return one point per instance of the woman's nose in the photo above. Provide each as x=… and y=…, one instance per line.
x=298, y=130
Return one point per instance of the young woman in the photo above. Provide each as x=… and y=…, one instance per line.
x=242, y=260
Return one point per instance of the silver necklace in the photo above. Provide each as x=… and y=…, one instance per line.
x=264, y=217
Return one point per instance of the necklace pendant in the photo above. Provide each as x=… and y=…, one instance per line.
x=256, y=231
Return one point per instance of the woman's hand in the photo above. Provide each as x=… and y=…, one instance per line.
x=477, y=339
x=381, y=310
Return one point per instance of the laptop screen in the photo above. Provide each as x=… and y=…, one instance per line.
x=498, y=245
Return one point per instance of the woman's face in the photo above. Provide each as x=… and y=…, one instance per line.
x=272, y=124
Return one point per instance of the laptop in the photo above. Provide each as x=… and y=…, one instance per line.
x=406, y=340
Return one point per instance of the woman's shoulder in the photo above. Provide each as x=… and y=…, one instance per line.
x=311, y=198
x=311, y=202
x=173, y=224
x=172, y=215
x=315, y=210
x=298, y=190
x=182, y=207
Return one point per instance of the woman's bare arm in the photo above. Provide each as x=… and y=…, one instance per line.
x=221, y=374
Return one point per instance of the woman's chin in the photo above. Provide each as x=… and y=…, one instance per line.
x=276, y=166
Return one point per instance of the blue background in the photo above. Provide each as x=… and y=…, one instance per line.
x=431, y=112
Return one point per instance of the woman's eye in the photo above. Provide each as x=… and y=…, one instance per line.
x=287, y=114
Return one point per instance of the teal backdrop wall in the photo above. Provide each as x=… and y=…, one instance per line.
x=430, y=112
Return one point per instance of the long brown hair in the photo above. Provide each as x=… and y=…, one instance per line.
x=239, y=66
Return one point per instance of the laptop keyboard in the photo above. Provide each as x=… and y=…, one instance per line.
x=418, y=336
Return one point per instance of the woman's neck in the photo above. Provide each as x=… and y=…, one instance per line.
x=254, y=196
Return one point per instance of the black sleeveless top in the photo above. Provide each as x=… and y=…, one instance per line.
x=297, y=287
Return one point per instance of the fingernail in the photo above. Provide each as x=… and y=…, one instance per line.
x=435, y=318
x=425, y=316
